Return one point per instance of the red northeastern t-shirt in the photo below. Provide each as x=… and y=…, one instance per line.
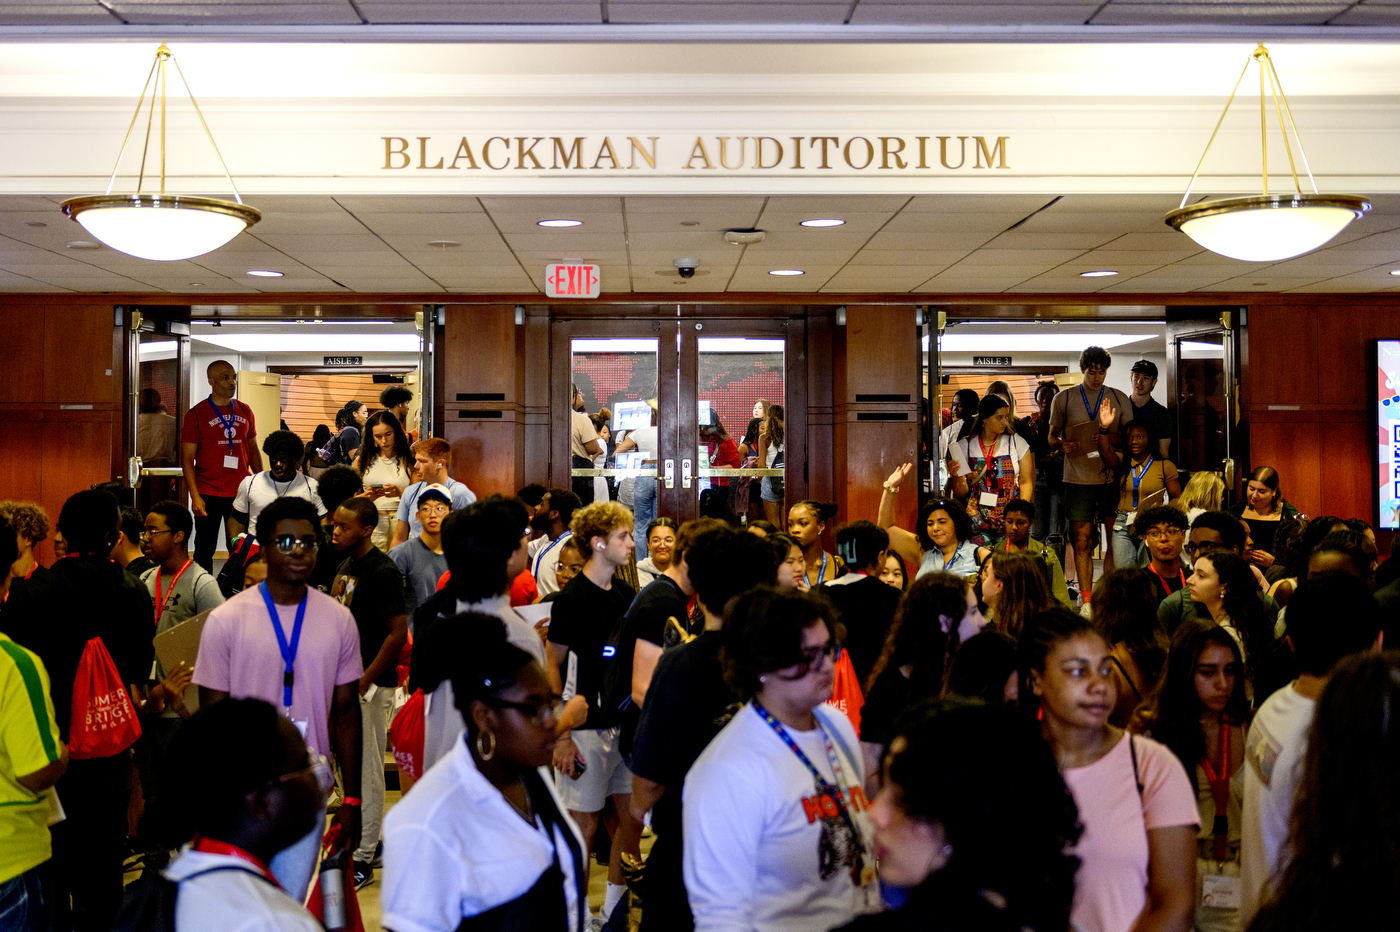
x=203, y=426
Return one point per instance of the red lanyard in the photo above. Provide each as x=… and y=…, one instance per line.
x=161, y=601
x=1220, y=792
x=212, y=846
x=1153, y=567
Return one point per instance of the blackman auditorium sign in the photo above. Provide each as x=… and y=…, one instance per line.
x=695, y=153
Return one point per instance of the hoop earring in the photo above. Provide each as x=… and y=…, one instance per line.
x=481, y=752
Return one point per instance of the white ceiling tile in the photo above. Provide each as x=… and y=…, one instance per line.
x=381, y=11
x=623, y=11
x=1132, y=13
x=429, y=226
x=990, y=223
x=1021, y=205
x=333, y=221
x=836, y=205
x=1021, y=238
x=894, y=279
x=744, y=207
x=914, y=258
x=266, y=14
x=970, y=14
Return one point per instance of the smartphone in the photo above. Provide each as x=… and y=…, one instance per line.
x=580, y=765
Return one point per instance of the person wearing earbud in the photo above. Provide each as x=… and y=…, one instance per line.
x=55, y=614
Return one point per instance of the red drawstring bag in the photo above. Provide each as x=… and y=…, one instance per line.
x=104, y=721
x=406, y=735
x=845, y=691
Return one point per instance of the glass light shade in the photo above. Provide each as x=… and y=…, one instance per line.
x=163, y=228
x=1268, y=228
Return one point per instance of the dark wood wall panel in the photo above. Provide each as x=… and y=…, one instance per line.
x=481, y=453
x=1283, y=355
x=22, y=373
x=81, y=357
x=482, y=410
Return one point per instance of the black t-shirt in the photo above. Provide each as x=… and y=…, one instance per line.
x=56, y=613
x=582, y=620
x=372, y=588
x=1166, y=583
x=687, y=705
x=646, y=620
x=867, y=608
x=328, y=560
x=889, y=695
x=140, y=565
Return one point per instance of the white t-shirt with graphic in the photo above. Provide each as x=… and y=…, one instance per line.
x=754, y=830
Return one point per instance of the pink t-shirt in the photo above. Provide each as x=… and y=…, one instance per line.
x=238, y=654
x=1110, y=889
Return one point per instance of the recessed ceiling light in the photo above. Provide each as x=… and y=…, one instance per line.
x=823, y=222
x=690, y=223
x=444, y=243
x=787, y=272
x=1102, y=273
x=35, y=223
x=561, y=223
x=82, y=244
x=264, y=273
x=1395, y=271
x=196, y=284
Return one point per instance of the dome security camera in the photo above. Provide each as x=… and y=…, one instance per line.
x=685, y=267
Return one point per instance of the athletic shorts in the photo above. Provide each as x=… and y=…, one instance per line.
x=1093, y=503
x=606, y=774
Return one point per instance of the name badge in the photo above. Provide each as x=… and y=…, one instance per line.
x=987, y=498
x=231, y=462
x=1221, y=891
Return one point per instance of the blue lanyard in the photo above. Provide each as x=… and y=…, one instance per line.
x=824, y=788
x=820, y=574
x=1094, y=414
x=1137, y=478
x=229, y=429
x=543, y=553
x=289, y=652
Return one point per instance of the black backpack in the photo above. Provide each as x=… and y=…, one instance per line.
x=615, y=686
x=230, y=578
x=149, y=904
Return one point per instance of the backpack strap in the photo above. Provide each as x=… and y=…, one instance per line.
x=1137, y=777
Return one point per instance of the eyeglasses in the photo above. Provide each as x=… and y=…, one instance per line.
x=812, y=657
x=433, y=508
x=1195, y=549
x=536, y=713
x=289, y=544
x=319, y=767
x=1158, y=534
x=147, y=535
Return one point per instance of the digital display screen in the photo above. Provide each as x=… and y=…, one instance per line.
x=629, y=415
x=1388, y=433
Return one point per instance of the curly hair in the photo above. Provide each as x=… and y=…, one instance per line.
x=1345, y=868
x=994, y=787
x=28, y=518
x=763, y=632
x=1094, y=356
x=1174, y=717
x=962, y=524
x=599, y=520
x=285, y=443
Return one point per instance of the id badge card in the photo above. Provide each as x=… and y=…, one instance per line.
x=1220, y=891
x=231, y=462
x=301, y=723
x=987, y=498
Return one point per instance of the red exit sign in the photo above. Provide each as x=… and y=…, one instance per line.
x=572, y=281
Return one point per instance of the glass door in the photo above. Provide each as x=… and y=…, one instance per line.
x=1203, y=392
x=160, y=382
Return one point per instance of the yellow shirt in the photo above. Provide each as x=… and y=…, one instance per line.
x=28, y=743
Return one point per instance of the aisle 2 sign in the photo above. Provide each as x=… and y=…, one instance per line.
x=572, y=281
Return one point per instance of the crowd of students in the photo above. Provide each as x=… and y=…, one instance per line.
x=919, y=730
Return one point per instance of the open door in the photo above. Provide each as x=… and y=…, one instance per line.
x=1203, y=394
x=930, y=419
x=262, y=391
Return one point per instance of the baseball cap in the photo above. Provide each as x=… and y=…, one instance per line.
x=436, y=490
x=1146, y=367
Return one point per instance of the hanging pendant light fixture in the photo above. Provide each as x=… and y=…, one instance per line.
x=1266, y=227
x=162, y=227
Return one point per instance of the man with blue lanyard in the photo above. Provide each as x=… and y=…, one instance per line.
x=299, y=649
x=553, y=517
x=1087, y=424
x=216, y=452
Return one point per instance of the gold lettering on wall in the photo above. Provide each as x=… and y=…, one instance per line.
x=486, y=153
x=574, y=152
x=390, y=153
x=654, y=153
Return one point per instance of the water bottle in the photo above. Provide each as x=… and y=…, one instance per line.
x=333, y=892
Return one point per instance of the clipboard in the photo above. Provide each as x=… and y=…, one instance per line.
x=536, y=613
x=1145, y=502
x=181, y=644
x=1086, y=434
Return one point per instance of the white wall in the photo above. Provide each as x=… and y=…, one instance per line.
x=1118, y=373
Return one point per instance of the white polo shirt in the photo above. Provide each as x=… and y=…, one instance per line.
x=455, y=848
x=232, y=900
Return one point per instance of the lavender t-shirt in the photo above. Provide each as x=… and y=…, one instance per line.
x=239, y=655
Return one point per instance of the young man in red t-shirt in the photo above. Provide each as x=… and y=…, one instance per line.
x=217, y=449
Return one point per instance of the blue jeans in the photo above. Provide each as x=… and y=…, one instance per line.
x=1126, y=548
x=643, y=512
x=23, y=907
x=1049, y=524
